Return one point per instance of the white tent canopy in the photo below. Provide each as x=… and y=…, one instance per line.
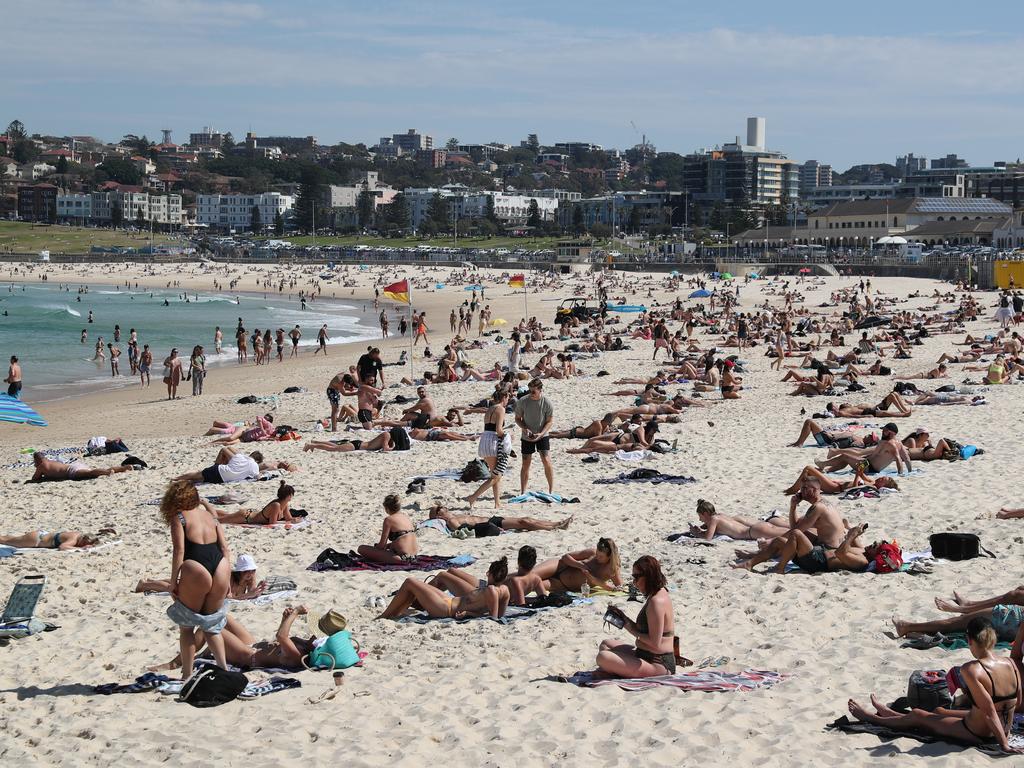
x=891, y=240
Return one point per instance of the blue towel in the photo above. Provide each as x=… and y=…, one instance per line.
x=6, y=551
x=547, y=498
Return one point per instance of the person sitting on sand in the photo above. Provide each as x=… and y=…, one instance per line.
x=597, y=567
x=490, y=600
x=234, y=466
x=795, y=546
x=830, y=486
x=991, y=685
x=525, y=580
x=243, y=584
x=654, y=629
x=714, y=524
x=274, y=512
x=62, y=540
x=48, y=470
x=381, y=442
x=398, y=543
x=455, y=522
x=461, y=582
x=262, y=430
x=871, y=460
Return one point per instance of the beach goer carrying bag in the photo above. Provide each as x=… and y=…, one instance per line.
x=212, y=686
x=956, y=546
x=928, y=690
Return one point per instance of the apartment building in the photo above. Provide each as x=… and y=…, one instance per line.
x=227, y=212
x=74, y=208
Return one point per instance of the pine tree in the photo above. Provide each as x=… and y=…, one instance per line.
x=256, y=223
x=489, y=213
x=310, y=184
x=397, y=212
x=533, y=219
x=365, y=208
x=577, y=219
x=278, y=224
x=116, y=215
x=438, y=214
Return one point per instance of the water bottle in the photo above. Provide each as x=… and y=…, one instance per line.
x=318, y=427
x=585, y=590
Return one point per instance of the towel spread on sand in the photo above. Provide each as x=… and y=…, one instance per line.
x=704, y=680
x=645, y=476
x=97, y=548
x=455, y=473
x=280, y=525
x=866, y=492
x=353, y=562
x=512, y=613
x=547, y=498
x=687, y=538
x=845, y=725
x=947, y=641
x=438, y=525
x=889, y=471
x=641, y=455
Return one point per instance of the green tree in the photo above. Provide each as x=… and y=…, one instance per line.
x=121, y=171
x=396, y=213
x=256, y=223
x=310, y=187
x=278, y=224
x=140, y=218
x=718, y=219
x=577, y=220
x=15, y=130
x=438, y=213
x=62, y=165
x=695, y=217
x=634, y=218
x=533, y=143
x=364, y=208
x=533, y=215
x=227, y=143
x=116, y=215
x=489, y=213
x=452, y=144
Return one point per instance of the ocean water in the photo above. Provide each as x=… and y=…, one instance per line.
x=42, y=325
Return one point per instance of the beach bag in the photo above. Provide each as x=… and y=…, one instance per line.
x=483, y=530
x=400, y=439
x=889, y=558
x=332, y=559
x=956, y=546
x=247, y=400
x=212, y=686
x=476, y=471
x=339, y=651
x=928, y=690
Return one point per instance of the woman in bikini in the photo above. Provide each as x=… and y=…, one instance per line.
x=62, y=540
x=597, y=567
x=398, y=543
x=595, y=428
x=991, y=686
x=654, y=630
x=741, y=528
x=490, y=599
x=633, y=437
x=200, y=567
x=276, y=511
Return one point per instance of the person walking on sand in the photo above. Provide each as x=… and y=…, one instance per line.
x=172, y=374
x=421, y=330
x=145, y=363
x=295, y=334
x=322, y=338
x=197, y=370
x=383, y=324
x=13, y=379
x=218, y=339
x=115, y=354
x=534, y=415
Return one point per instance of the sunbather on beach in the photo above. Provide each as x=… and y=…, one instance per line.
x=595, y=428
x=525, y=580
x=795, y=546
x=381, y=442
x=275, y=511
x=633, y=438
x=243, y=581
x=461, y=582
x=830, y=486
x=1005, y=612
x=398, y=543
x=491, y=599
x=938, y=372
x=714, y=524
x=894, y=400
x=597, y=567
x=991, y=685
x=654, y=652
x=48, y=470
x=62, y=540
x=454, y=522
x=871, y=460
x=234, y=466
x=839, y=438
x=947, y=398
x=439, y=435
x=262, y=429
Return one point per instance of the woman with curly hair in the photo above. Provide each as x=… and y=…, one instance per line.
x=200, y=573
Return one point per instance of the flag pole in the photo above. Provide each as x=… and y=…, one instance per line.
x=526, y=307
x=412, y=331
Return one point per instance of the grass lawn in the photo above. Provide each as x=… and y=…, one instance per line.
x=25, y=237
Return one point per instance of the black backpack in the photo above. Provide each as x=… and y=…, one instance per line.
x=333, y=560
x=956, y=546
x=212, y=686
x=400, y=439
x=476, y=471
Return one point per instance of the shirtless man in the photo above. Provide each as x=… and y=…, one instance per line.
x=524, y=581
x=381, y=442
x=13, y=379
x=341, y=385
x=827, y=524
x=422, y=412
x=295, y=334
x=51, y=471
x=454, y=522
x=893, y=400
x=145, y=364
x=826, y=437
x=888, y=450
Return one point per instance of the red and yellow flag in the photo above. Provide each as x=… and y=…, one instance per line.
x=398, y=291
x=517, y=281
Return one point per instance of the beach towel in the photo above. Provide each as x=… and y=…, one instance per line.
x=547, y=498
x=353, y=562
x=438, y=525
x=845, y=725
x=442, y=474
x=278, y=526
x=914, y=563
x=512, y=613
x=704, y=680
x=889, y=471
x=687, y=538
x=866, y=492
x=645, y=476
x=255, y=690
x=51, y=550
x=947, y=641
x=6, y=551
x=633, y=455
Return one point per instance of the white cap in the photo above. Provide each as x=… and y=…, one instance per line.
x=244, y=563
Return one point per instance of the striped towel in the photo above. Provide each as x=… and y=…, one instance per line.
x=705, y=680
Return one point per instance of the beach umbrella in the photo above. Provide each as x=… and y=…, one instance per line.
x=472, y=288
x=753, y=275
x=17, y=412
x=700, y=294
x=727, y=276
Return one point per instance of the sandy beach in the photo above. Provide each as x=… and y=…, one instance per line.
x=482, y=693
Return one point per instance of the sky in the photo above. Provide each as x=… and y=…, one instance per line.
x=864, y=82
